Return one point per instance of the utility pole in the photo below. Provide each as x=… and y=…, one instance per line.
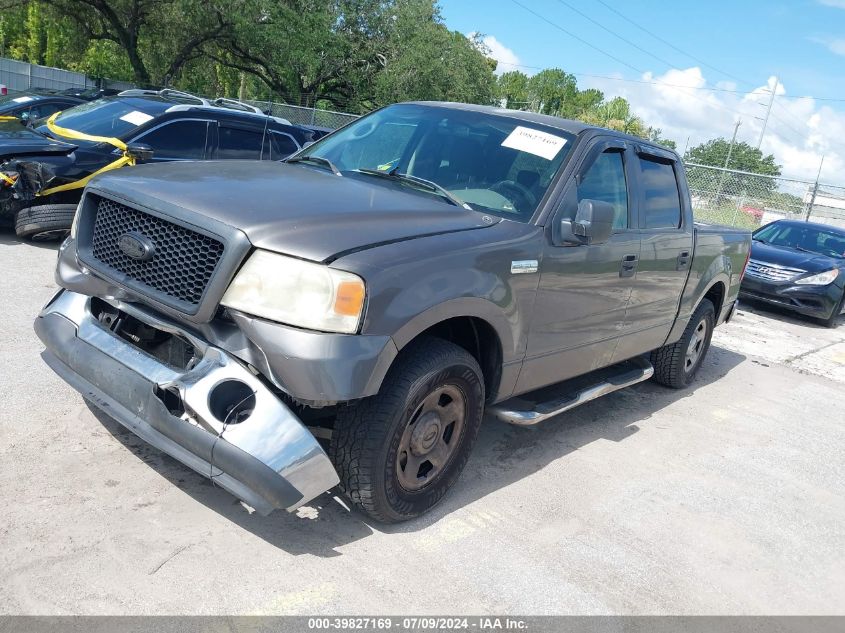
x=815, y=191
x=733, y=140
x=768, y=112
x=727, y=159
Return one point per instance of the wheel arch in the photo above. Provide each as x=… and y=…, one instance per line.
x=472, y=324
x=716, y=293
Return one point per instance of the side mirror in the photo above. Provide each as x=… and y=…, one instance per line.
x=593, y=223
x=140, y=151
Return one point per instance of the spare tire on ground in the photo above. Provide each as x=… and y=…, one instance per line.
x=45, y=223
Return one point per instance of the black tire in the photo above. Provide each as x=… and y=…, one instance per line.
x=369, y=436
x=833, y=318
x=674, y=365
x=45, y=223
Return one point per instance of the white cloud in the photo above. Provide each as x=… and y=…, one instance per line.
x=508, y=60
x=798, y=133
x=835, y=46
x=839, y=4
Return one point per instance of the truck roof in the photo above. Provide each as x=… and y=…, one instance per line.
x=567, y=125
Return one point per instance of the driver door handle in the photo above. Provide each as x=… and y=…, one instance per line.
x=629, y=265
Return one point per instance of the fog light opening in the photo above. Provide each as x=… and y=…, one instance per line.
x=171, y=399
x=231, y=401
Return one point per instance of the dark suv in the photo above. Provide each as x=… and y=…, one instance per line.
x=35, y=104
x=157, y=126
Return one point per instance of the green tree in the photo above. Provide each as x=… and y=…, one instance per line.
x=655, y=134
x=428, y=61
x=512, y=89
x=616, y=114
x=552, y=91
x=143, y=28
x=36, y=41
x=304, y=49
x=744, y=157
x=585, y=101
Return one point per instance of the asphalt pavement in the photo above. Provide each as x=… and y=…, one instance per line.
x=724, y=498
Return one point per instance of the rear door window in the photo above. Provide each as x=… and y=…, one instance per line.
x=177, y=140
x=238, y=143
x=661, y=202
x=283, y=146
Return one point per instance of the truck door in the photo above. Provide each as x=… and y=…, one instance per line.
x=583, y=291
x=667, y=250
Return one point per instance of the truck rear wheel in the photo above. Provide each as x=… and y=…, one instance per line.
x=399, y=452
x=45, y=223
x=676, y=365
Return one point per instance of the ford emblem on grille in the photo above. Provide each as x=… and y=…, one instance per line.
x=136, y=246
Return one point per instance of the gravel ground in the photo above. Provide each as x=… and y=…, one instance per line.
x=726, y=498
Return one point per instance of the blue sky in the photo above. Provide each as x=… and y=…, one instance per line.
x=800, y=41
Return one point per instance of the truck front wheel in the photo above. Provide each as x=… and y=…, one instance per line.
x=399, y=452
x=676, y=365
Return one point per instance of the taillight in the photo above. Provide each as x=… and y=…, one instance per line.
x=745, y=265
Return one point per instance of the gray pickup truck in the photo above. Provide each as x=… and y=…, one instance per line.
x=345, y=318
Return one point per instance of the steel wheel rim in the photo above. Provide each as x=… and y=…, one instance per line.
x=696, y=345
x=431, y=437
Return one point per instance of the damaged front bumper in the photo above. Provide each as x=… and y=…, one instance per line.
x=216, y=417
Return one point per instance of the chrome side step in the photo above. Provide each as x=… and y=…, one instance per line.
x=510, y=412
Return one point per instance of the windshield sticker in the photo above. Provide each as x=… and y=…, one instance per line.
x=136, y=118
x=535, y=142
x=23, y=99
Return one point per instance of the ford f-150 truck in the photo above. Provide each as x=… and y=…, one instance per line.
x=346, y=317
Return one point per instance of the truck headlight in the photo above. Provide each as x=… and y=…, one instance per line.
x=821, y=279
x=298, y=293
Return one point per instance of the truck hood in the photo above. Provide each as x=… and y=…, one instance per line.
x=793, y=258
x=17, y=140
x=299, y=210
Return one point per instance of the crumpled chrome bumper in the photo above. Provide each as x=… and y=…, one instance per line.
x=264, y=455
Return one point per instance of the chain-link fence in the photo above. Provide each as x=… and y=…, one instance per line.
x=746, y=200
x=306, y=116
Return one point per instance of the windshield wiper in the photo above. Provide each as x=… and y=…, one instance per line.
x=315, y=159
x=422, y=183
x=757, y=239
x=804, y=250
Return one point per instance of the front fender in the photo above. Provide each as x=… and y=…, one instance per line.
x=417, y=284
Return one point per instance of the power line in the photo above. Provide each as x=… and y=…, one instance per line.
x=572, y=35
x=627, y=41
x=669, y=44
x=557, y=26
x=790, y=115
x=676, y=87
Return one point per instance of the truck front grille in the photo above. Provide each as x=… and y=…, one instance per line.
x=182, y=263
x=771, y=272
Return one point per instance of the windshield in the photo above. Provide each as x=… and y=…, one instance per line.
x=827, y=242
x=495, y=164
x=107, y=117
